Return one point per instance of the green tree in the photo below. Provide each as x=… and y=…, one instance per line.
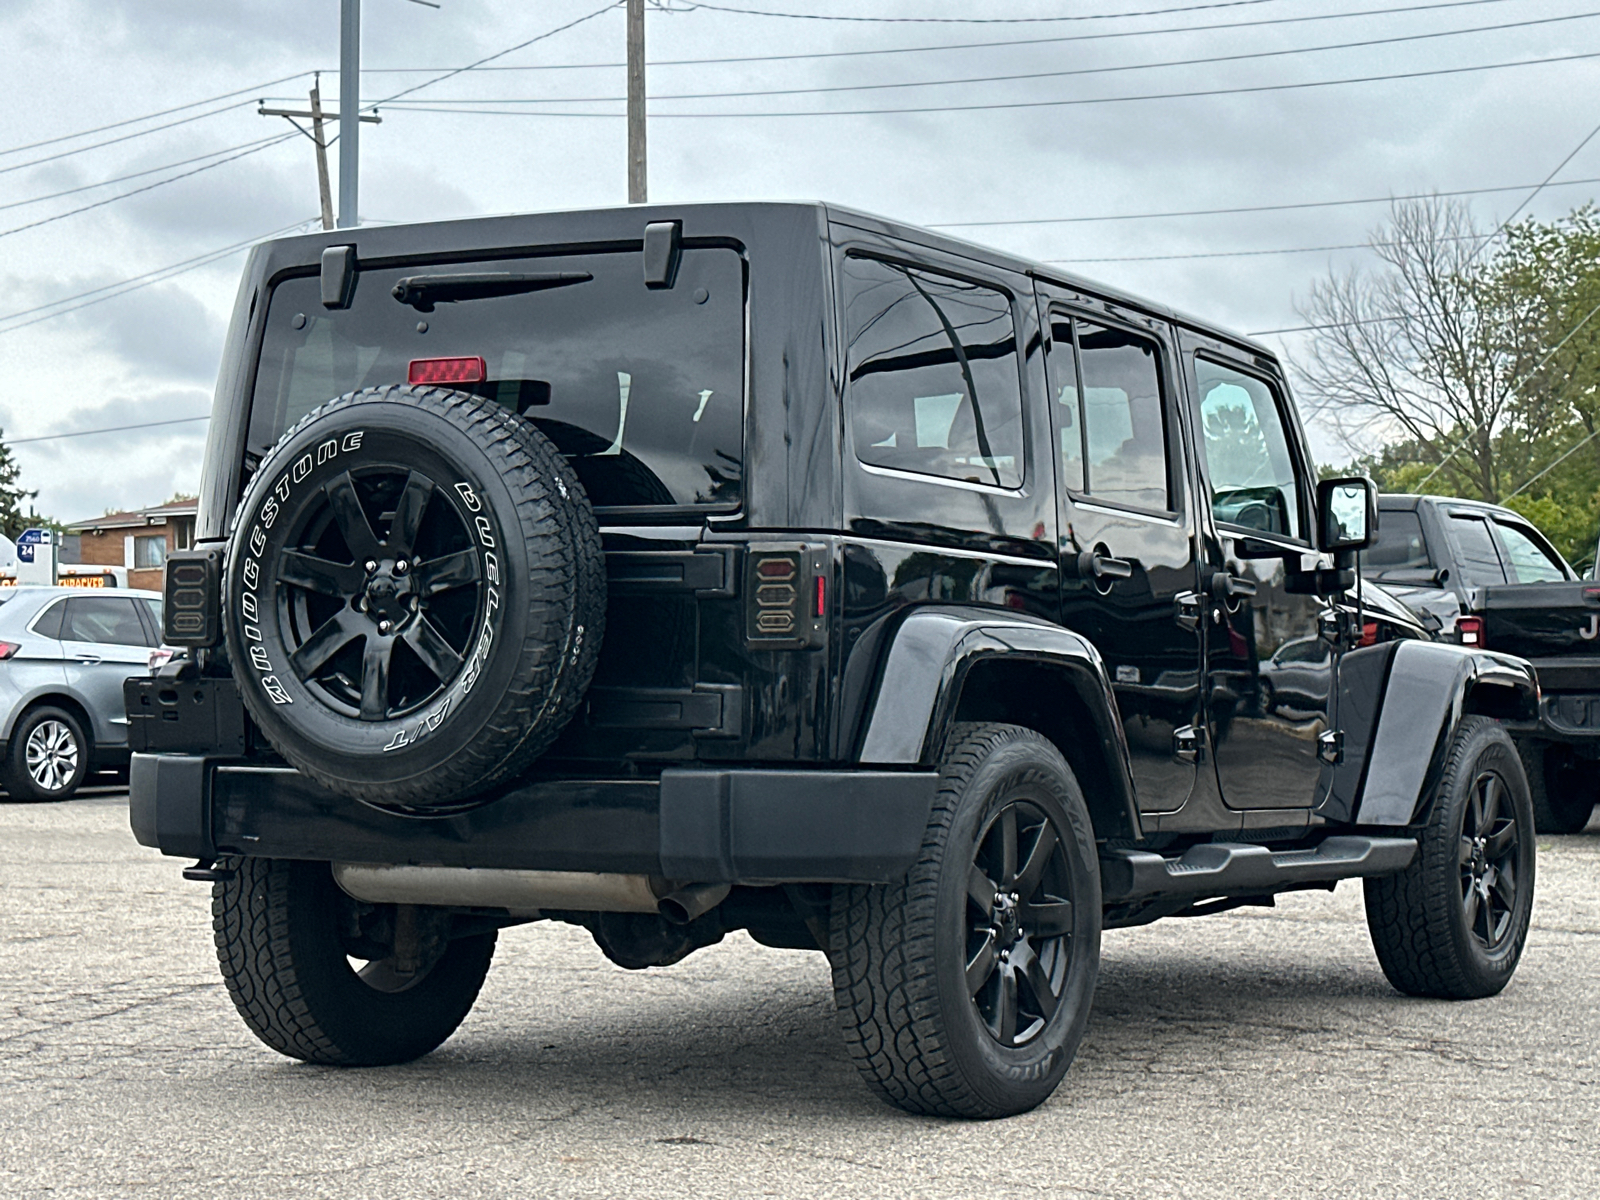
x=13, y=497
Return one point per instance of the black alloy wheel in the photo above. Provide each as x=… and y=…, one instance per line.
x=414, y=598
x=381, y=591
x=964, y=990
x=1452, y=925
x=1490, y=841
x=1019, y=923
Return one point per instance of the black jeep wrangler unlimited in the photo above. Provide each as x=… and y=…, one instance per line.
x=671, y=571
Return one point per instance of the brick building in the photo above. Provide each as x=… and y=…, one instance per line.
x=139, y=540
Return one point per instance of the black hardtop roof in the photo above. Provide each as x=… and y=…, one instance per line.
x=626, y=222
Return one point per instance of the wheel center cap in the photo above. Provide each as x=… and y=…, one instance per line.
x=1006, y=916
x=389, y=593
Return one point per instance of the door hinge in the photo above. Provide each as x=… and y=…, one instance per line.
x=1190, y=606
x=1188, y=743
x=1330, y=746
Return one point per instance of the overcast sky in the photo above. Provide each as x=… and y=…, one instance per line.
x=151, y=354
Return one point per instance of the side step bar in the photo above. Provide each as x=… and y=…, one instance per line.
x=1230, y=868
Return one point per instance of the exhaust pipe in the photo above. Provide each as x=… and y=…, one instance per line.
x=685, y=904
x=527, y=893
x=524, y=893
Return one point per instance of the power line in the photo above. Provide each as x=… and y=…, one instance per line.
x=50, y=437
x=125, y=137
x=1076, y=71
x=67, y=137
x=1026, y=104
x=1233, y=253
x=1151, y=12
x=89, y=187
x=1251, y=208
x=281, y=138
x=473, y=66
x=1033, y=41
x=133, y=283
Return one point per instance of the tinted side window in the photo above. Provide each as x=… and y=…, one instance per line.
x=155, y=615
x=932, y=364
x=1480, y=562
x=1400, y=543
x=1247, y=453
x=1530, y=562
x=1068, y=409
x=49, y=625
x=108, y=619
x=1124, y=419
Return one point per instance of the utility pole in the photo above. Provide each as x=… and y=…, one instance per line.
x=322, y=151
x=317, y=118
x=349, y=110
x=637, y=175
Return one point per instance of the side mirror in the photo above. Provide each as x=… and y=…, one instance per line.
x=1347, y=514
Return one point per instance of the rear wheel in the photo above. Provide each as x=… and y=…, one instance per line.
x=1563, y=787
x=321, y=977
x=49, y=755
x=1453, y=923
x=965, y=990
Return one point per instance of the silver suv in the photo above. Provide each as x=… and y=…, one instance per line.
x=64, y=653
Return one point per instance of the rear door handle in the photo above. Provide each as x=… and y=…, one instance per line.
x=1103, y=566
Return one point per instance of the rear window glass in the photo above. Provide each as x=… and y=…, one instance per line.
x=1475, y=551
x=1400, y=544
x=1530, y=562
x=642, y=389
x=934, y=386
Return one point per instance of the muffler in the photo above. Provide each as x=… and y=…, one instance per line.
x=685, y=904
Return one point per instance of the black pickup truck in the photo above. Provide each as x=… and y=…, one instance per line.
x=679, y=570
x=1494, y=581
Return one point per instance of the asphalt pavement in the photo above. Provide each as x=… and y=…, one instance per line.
x=1254, y=1054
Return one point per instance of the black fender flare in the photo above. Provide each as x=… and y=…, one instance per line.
x=1400, y=708
x=927, y=663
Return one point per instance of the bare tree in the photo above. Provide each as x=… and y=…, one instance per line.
x=1416, y=350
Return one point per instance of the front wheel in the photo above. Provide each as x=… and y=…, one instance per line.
x=321, y=977
x=1453, y=923
x=965, y=989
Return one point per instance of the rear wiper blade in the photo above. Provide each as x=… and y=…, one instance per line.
x=422, y=292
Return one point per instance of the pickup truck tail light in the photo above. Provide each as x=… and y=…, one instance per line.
x=7, y=649
x=191, y=612
x=1470, y=631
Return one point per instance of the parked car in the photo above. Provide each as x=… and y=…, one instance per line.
x=64, y=653
x=1495, y=581
x=670, y=571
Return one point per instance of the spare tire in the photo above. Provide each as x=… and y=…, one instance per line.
x=414, y=597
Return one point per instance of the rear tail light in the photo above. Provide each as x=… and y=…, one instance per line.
x=1369, y=633
x=1470, y=631
x=8, y=650
x=447, y=370
x=191, y=613
x=786, y=596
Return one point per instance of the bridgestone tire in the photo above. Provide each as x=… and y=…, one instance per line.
x=1564, y=789
x=278, y=932
x=924, y=1038
x=1428, y=922
x=415, y=596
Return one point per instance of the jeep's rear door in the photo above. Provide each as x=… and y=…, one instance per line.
x=1128, y=579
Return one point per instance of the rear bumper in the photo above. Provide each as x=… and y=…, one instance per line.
x=694, y=824
x=1566, y=717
